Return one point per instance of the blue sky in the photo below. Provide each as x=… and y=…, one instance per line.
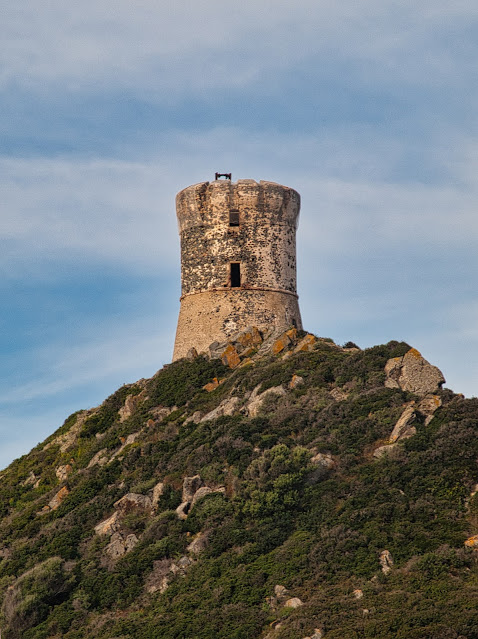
x=368, y=109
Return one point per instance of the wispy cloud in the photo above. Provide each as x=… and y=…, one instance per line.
x=466, y=317
x=101, y=209
x=202, y=45
x=123, y=211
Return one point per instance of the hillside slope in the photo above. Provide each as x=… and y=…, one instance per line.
x=308, y=491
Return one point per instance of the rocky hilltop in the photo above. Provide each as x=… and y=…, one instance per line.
x=275, y=487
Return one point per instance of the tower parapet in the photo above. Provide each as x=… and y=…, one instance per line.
x=238, y=260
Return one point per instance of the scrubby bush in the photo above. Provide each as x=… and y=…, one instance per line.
x=27, y=602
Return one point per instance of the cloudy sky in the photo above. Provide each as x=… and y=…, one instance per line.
x=368, y=109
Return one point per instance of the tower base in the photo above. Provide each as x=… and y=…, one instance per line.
x=216, y=315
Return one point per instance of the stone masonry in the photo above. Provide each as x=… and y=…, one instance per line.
x=238, y=260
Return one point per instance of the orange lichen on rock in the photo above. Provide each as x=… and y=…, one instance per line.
x=250, y=337
x=212, y=385
x=62, y=472
x=306, y=344
x=281, y=343
x=296, y=380
x=230, y=357
x=58, y=498
x=472, y=542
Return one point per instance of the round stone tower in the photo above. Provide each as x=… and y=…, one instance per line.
x=238, y=263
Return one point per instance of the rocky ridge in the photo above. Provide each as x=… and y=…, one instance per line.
x=253, y=465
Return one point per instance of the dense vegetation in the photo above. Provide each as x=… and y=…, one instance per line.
x=282, y=518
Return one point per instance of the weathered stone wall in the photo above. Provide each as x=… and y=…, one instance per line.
x=215, y=315
x=263, y=244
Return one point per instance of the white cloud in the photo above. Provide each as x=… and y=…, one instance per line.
x=123, y=212
x=392, y=214
x=464, y=317
x=94, y=209
x=169, y=48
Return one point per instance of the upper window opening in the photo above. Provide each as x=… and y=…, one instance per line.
x=235, y=275
x=234, y=217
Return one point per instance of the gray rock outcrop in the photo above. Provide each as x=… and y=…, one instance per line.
x=281, y=599
x=190, y=486
x=428, y=406
x=194, y=490
x=133, y=501
x=100, y=458
x=383, y=450
x=130, y=439
x=195, y=418
x=121, y=542
x=256, y=399
x=296, y=380
x=243, y=342
x=323, y=464
x=318, y=634
x=323, y=460
x=404, y=428
x=293, y=602
x=158, y=579
x=66, y=440
x=198, y=544
x=32, y=480
x=183, y=509
x=158, y=492
x=56, y=501
x=413, y=373
x=120, y=545
x=338, y=394
x=130, y=404
x=63, y=471
x=386, y=561
x=227, y=407
x=160, y=412
x=200, y=493
x=281, y=594
x=108, y=526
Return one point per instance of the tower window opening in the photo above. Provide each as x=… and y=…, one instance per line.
x=234, y=217
x=235, y=275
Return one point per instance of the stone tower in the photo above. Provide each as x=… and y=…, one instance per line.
x=238, y=263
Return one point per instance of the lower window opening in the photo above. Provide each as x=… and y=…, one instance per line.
x=235, y=275
x=234, y=217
